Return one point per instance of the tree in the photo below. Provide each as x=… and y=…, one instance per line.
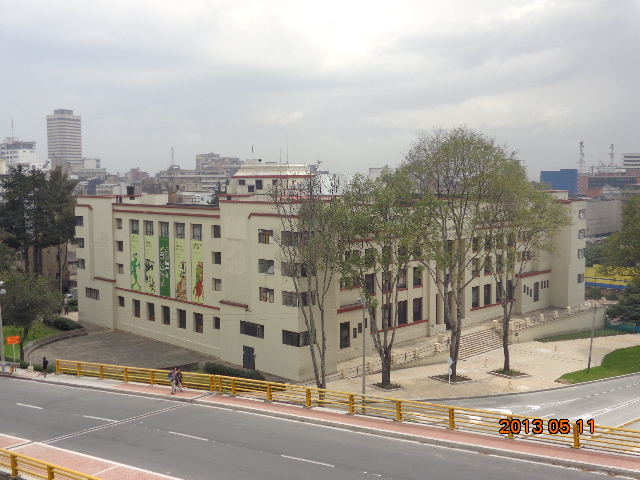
x=310, y=249
x=457, y=166
x=61, y=201
x=622, y=249
x=520, y=219
x=628, y=308
x=28, y=300
x=381, y=220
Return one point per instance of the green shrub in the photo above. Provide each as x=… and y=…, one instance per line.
x=73, y=302
x=216, y=369
x=595, y=292
x=63, y=323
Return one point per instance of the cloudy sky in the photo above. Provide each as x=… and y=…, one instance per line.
x=350, y=83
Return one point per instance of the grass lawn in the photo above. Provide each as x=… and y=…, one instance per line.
x=38, y=330
x=602, y=332
x=618, y=362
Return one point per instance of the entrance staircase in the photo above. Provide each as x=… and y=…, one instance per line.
x=479, y=342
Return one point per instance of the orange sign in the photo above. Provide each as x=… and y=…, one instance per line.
x=13, y=340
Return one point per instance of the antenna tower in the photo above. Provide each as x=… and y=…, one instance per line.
x=612, y=162
x=581, y=160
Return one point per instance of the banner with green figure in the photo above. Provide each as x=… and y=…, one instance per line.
x=180, y=255
x=149, y=265
x=197, y=271
x=134, y=247
x=165, y=267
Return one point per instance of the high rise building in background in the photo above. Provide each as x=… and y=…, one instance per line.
x=64, y=139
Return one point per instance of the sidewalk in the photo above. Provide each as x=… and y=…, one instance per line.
x=531, y=450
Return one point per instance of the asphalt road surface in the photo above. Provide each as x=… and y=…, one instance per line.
x=611, y=402
x=201, y=442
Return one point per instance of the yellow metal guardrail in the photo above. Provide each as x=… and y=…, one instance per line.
x=19, y=464
x=578, y=434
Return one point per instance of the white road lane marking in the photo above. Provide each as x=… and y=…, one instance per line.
x=100, y=418
x=308, y=461
x=29, y=406
x=190, y=436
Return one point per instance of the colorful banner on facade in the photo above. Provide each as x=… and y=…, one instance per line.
x=197, y=271
x=165, y=267
x=149, y=265
x=134, y=248
x=180, y=256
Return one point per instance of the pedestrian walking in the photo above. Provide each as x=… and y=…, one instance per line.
x=178, y=378
x=172, y=379
x=45, y=365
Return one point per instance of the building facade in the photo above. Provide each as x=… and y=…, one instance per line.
x=212, y=279
x=64, y=140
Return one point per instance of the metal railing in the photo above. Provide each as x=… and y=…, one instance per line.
x=578, y=434
x=19, y=464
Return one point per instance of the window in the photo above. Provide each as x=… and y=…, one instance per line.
x=258, y=184
x=488, y=265
x=510, y=290
x=182, y=319
x=581, y=253
x=402, y=279
x=402, y=312
x=120, y=268
x=582, y=214
x=498, y=292
x=295, y=339
x=475, y=268
x=216, y=323
x=252, y=329
x=345, y=340
x=119, y=223
x=264, y=236
x=369, y=257
x=499, y=262
x=386, y=281
x=266, y=294
x=198, y=323
x=265, y=266
x=81, y=263
x=136, y=308
x=370, y=283
x=120, y=301
x=217, y=258
x=166, y=315
x=417, y=276
x=288, y=269
x=581, y=278
x=80, y=242
x=217, y=284
x=120, y=245
x=179, y=230
x=135, y=226
x=148, y=228
x=164, y=229
x=487, y=294
x=474, y=297
x=417, y=309
x=475, y=244
x=580, y=234
x=290, y=299
x=251, y=188
x=216, y=231
x=196, y=232
x=79, y=221
x=536, y=291
x=292, y=239
x=305, y=297
x=151, y=312
x=241, y=182
x=488, y=242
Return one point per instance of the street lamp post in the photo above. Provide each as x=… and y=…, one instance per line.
x=2, y=292
x=364, y=338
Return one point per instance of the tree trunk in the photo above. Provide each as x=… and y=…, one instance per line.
x=505, y=342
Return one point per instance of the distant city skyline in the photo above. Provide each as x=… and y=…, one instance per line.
x=350, y=84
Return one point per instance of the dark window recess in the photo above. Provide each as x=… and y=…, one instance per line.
x=166, y=315
x=258, y=184
x=216, y=231
x=216, y=323
x=345, y=340
x=182, y=318
x=198, y=320
x=295, y=339
x=417, y=309
x=252, y=329
x=475, y=301
x=151, y=312
x=136, y=308
x=487, y=294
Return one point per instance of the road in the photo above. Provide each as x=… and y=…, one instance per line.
x=200, y=442
x=611, y=402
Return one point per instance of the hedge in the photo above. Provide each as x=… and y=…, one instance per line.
x=216, y=369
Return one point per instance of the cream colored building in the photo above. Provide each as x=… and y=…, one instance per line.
x=210, y=278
